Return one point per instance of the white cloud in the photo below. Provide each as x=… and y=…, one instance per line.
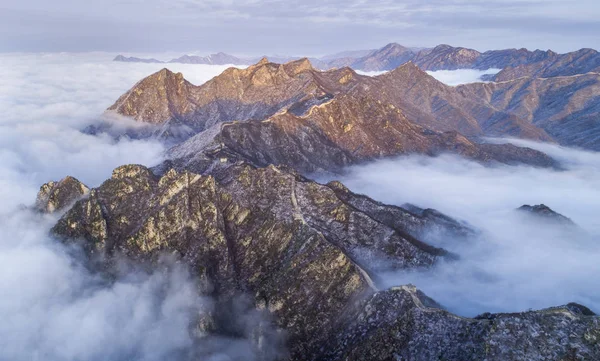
x=52, y=307
x=370, y=73
x=517, y=263
x=461, y=76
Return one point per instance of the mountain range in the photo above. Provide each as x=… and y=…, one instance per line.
x=515, y=63
x=353, y=117
x=235, y=202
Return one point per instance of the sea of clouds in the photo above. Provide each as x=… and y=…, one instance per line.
x=461, y=76
x=52, y=307
x=517, y=262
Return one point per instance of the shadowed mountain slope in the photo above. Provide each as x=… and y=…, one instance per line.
x=566, y=107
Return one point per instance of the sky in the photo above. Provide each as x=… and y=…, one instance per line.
x=293, y=27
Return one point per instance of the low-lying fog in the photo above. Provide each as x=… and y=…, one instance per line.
x=449, y=77
x=51, y=307
x=461, y=76
x=517, y=262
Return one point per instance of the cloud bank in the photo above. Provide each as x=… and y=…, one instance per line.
x=449, y=77
x=517, y=262
x=461, y=76
x=54, y=308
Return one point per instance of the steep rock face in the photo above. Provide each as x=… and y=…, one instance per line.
x=56, y=196
x=302, y=252
x=567, y=108
x=404, y=324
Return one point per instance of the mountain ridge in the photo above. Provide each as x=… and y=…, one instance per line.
x=513, y=62
x=304, y=253
x=267, y=102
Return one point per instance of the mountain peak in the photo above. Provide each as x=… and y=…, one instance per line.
x=163, y=75
x=55, y=196
x=393, y=46
x=545, y=212
x=443, y=47
x=409, y=67
x=154, y=98
x=298, y=66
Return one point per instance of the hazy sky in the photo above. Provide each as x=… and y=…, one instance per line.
x=306, y=27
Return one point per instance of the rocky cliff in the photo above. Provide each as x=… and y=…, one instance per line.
x=57, y=196
x=544, y=212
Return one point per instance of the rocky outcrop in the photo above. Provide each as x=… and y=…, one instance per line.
x=57, y=196
x=404, y=324
x=544, y=212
